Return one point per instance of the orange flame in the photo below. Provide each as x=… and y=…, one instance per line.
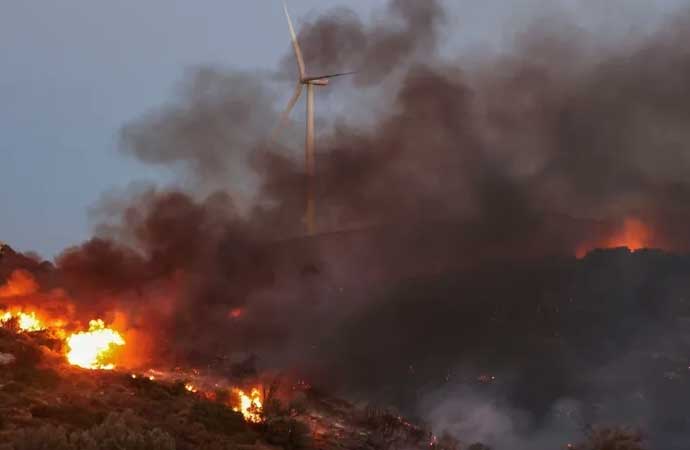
x=19, y=284
x=26, y=322
x=633, y=234
x=94, y=349
x=250, y=405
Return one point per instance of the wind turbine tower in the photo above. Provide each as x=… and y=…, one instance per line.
x=311, y=82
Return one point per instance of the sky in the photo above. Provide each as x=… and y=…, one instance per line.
x=73, y=72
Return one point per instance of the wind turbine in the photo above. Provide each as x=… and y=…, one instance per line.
x=309, y=150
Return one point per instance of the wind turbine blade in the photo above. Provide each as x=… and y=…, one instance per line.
x=286, y=114
x=330, y=76
x=295, y=43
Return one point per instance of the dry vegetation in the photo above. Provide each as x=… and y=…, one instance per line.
x=46, y=404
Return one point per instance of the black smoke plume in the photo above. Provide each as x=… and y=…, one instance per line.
x=445, y=273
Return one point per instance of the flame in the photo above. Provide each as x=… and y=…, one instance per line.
x=27, y=322
x=19, y=284
x=633, y=234
x=250, y=405
x=92, y=349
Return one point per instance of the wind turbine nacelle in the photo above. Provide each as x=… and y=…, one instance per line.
x=318, y=82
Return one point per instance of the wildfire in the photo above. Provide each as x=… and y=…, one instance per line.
x=20, y=283
x=92, y=349
x=26, y=322
x=250, y=405
x=633, y=234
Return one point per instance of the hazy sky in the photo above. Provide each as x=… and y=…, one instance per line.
x=73, y=72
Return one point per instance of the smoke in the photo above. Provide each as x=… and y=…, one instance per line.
x=449, y=228
x=339, y=40
x=217, y=114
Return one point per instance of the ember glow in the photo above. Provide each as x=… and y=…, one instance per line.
x=235, y=313
x=633, y=235
x=94, y=349
x=250, y=405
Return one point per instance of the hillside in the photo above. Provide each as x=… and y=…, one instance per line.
x=46, y=403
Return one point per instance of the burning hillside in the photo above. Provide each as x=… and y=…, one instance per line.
x=502, y=252
x=70, y=387
x=69, y=408
x=93, y=348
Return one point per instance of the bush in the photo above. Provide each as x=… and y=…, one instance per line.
x=118, y=431
x=78, y=416
x=299, y=404
x=612, y=438
x=218, y=418
x=41, y=378
x=222, y=395
x=177, y=389
x=478, y=446
x=291, y=434
x=152, y=389
x=45, y=438
x=448, y=442
x=273, y=408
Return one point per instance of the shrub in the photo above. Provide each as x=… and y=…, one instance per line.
x=448, y=442
x=78, y=416
x=177, y=389
x=291, y=434
x=613, y=438
x=151, y=389
x=217, y=418
x=273, y=408
x=222, y=395
x=118, y=431
x=478, y=446
x=45, y=438
x=298, y=404
x=32, y=376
